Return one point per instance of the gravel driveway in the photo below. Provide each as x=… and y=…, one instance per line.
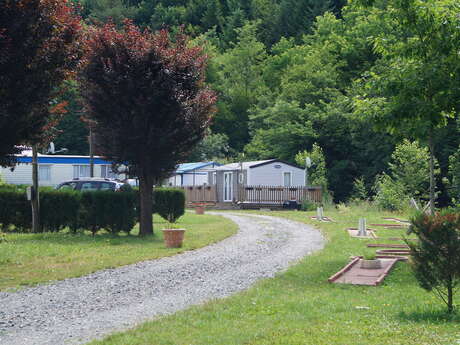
x=74, y=311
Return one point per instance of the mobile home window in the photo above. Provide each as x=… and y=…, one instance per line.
x=106, y=171
x=44, y=173
x=287, y=179
x=81, y=171
x=240, y=178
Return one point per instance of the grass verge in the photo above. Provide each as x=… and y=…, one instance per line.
x=300, y=307
x=27, y=259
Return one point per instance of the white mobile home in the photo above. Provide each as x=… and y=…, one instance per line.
x=267, y=173
x=54, y=169
x=192, y=174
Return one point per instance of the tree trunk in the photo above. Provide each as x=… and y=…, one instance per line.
x=432, y=181
x=35, y=202
x=450, y=297
x=146, y=205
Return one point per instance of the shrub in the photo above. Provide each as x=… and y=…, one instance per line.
x=59, y=209
x=169, y=203
x=114, y=212
x=14, y=209
x=308, y=205
x=317, y=173
x=390, y=194
x=454, y=177
x=359, y=190
x=436, y=256
x=409, y=167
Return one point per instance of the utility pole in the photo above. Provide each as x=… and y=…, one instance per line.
x=307, y=165
x=91, y=152
x=35, y=200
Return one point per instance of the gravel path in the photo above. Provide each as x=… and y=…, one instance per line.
x=74, y=311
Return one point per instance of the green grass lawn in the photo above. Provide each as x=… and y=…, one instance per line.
x=27, y=259
x=301, y=307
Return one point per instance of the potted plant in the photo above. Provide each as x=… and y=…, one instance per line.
x=170, y=205
x=199, y=208
x=369, y=261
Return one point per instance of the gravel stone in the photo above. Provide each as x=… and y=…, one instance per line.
x=77, y=310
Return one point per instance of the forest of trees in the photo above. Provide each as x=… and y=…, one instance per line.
x=294, y=76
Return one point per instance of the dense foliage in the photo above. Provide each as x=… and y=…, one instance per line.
x=39, y=48
x=408, y=177
x=94, y=211
x=436, y=256
x=169, y=203
x=147, y=99
x=356, y=79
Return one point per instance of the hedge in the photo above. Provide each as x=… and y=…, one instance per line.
x=169, y=203
x=94, y=211
x=114, y=212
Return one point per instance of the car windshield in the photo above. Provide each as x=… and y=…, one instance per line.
x=67, y=186
x=89, y=186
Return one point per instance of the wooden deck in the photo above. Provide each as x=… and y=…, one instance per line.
x=253, y=196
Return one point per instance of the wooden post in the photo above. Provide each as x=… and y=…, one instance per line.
x=35, y=200
x=91, y=152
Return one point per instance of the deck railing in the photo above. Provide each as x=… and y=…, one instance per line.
x=254, y=194
x=205, y=193
x=267, y=194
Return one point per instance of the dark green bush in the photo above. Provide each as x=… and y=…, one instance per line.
x=169, y=203
x=114, y=212
x=59, y=209
x=15, y=210
x=308, y=205
x=436, y=255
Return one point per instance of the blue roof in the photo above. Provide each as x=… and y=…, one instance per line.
x=186, y=167
x=62, y=160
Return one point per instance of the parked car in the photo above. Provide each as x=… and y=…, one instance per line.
x=91, y=184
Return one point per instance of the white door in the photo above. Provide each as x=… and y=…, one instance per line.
x=287, y=179
x=228, y=186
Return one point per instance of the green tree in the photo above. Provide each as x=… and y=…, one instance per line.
x=413, y=89
x=72, y=131
x=436, y=254
x=213, y=147
x=103, y=11
x=408, y=177
x=317, y=173
x=454, y=177
x=409, y=166
x=239, y=83
x=282, y=130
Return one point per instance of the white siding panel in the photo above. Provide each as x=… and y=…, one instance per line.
x=272, y=175
x=61, y=173
x=197, y=179
x=22, y=174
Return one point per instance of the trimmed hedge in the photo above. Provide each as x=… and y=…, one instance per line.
x=59, y=209
x=169, y=203
x=14, y=209
x=113, y=211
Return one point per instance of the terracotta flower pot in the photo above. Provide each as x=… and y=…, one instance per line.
x=173, y=237
x=199, y=209
x=371, y=264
